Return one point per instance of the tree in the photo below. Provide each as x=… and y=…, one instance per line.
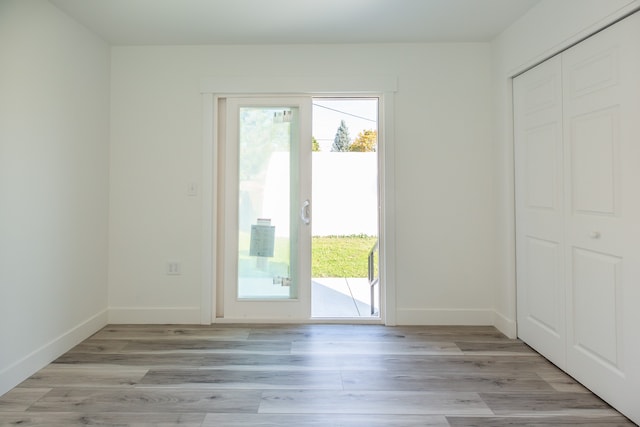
x=365, y=142
x=315, y=146
x=342, y=140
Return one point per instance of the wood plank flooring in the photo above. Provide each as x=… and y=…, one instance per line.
x=303, y=376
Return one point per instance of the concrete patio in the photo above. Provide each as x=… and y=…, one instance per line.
x=341, y=297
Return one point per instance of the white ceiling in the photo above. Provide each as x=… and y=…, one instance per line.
x=161, y=22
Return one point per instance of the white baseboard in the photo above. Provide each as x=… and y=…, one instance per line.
x=477, y=317
x=19, y=371
x=505, y=325
x=155, y=315
x=437, y=316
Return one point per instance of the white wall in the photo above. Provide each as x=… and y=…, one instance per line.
x=444, y=198
x=546, y=29
x=54, y=112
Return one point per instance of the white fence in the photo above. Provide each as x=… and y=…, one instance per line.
x=345, y=194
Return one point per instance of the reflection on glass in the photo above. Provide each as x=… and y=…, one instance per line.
x=266, y=267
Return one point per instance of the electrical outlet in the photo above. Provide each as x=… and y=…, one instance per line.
x=174, y=268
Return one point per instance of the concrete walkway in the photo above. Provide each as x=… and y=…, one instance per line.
x=340, y=297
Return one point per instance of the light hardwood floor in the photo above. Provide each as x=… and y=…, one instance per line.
x=302, y=375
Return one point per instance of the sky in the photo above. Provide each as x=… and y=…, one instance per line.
x=358, y=113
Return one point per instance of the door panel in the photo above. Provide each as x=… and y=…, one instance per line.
x=267, y=181
x=595, y=161
x=541, y=167
x=596, y=283
x=544, y=279
x=540, y=209
x=593, y=73
x=602, y=111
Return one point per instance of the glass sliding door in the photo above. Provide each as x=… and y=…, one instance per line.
x=267, y=208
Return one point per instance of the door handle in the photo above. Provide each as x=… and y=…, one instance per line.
x=304, y=212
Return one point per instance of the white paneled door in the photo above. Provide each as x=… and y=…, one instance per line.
x=540, y=209
x=601, y=92
x=577, y=148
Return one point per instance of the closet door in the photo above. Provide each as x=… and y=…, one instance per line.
x=540, y=209
x=601, y=92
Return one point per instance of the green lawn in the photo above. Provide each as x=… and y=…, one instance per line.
x=340, y=256
x=331, y=256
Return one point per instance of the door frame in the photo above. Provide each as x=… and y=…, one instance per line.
x=214, y=89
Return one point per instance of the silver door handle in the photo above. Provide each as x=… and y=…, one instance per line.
x=304, y=212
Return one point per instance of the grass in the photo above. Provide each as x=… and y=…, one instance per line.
x=340, y=256
x=331, y=256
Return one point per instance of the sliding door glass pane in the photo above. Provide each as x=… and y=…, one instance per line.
x=267, y=224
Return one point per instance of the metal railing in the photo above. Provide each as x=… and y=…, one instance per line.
x=373, y=275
